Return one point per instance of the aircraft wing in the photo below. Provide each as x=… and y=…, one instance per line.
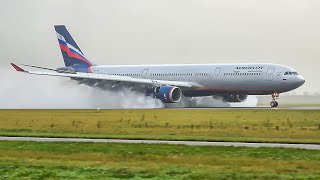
x=105, y=77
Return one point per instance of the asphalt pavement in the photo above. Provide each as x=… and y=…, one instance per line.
x=189, y=143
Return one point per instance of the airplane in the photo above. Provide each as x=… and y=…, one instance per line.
x=172, y=82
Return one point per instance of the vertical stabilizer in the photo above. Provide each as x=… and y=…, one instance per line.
x=71, y=52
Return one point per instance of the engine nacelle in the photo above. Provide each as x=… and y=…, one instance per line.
x=167, y=94
x=234, y=97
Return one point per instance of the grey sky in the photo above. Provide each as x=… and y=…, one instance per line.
x=167, y=31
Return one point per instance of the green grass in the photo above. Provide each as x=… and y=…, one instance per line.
x=39, y=160
x=292, y=126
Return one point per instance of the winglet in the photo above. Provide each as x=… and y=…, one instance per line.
x=17, y=68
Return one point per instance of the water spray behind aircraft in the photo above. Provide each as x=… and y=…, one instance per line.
x=19, y=91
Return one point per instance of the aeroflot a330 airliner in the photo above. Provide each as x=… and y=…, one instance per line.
x=169, y=83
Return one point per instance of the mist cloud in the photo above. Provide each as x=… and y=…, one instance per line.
x=24, y=91
x=209, y=102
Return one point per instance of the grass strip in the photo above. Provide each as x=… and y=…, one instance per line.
x=283, y=126
x=61, y=160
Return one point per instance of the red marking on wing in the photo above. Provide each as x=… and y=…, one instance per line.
x=17, y=68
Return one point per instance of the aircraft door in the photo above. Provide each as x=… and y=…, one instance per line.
x=269, y=76
x=217, y=72
x=144, y=73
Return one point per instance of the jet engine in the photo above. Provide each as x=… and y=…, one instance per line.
x=167, y=94
x=234, y=97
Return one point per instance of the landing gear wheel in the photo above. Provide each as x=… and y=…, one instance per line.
x=274, y=104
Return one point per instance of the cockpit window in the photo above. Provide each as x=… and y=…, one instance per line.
x=291, y=73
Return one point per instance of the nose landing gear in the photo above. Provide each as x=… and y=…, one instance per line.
x=274, y=103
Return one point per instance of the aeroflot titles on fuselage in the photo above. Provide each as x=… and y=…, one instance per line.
x=259, y=67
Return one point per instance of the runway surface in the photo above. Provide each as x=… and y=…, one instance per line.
x=258, y=108
x=189, y=143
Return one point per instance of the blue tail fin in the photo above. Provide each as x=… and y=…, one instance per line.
x=72, y=54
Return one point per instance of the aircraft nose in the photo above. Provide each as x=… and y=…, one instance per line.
x=300, y=80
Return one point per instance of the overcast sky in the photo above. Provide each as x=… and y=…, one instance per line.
x=166, y=31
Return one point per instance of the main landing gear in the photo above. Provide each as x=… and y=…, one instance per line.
x=274, y=103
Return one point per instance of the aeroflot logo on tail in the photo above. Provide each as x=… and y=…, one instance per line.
x=258, y=67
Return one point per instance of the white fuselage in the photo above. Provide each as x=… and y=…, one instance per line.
x=254, y=79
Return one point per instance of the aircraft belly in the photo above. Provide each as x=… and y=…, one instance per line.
x=232, y=86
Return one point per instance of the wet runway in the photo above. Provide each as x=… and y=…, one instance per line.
x=259, y=107
x=189, y=143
